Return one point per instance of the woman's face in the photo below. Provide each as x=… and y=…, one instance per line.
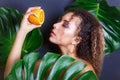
x=65, y=31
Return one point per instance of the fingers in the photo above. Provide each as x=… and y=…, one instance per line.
x=25, y=24
x=30, y=12
x=26, y=15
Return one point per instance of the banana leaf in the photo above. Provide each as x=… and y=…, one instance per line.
x=52, y=67
x=10, y=19
x=109, y=18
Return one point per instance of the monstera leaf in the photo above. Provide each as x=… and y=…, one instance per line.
x=108, y=16
x=9, y=24
x=52, y=67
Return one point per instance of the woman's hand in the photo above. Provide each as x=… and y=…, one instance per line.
x=26, y=26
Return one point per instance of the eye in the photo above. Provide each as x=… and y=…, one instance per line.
x=65, y=24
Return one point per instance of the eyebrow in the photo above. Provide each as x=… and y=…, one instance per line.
x=66, y=21
x=69, y=19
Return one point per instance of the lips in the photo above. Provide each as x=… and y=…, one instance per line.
x=52, y=33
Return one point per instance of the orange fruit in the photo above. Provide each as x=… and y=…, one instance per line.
x=38, y=18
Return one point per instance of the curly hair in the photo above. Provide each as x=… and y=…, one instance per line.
x=91, y=48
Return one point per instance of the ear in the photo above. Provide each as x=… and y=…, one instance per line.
x=76, y=40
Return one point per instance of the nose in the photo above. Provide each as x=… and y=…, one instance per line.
x=56, y=25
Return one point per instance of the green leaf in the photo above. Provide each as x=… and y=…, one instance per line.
x=52, y=67
x=33, y=41
x=73, y=70
x=87, y=1
x=16, y=72
x=89, y=75
x=60, y=65
x=47, y=61
x=108, y=16
x=9, y=24
x=29, y=62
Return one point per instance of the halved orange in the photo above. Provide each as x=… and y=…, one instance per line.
x=38, y=18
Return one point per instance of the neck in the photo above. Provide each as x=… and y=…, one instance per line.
x=69, y=50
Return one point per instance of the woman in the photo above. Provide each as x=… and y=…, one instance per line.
x=77, y=33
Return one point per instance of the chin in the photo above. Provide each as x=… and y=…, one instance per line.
x=52, y=40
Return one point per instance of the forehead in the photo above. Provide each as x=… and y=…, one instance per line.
x=70, y=17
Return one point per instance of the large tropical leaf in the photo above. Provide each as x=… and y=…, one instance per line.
x=61, y=64
x=9, y=24
x=109, y=18
x=52, y=67
x=45, y=64
x=29, y=62
x=73, y=70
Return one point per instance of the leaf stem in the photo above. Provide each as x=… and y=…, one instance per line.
x=97, y=9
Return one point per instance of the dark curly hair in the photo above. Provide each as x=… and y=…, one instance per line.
x=91, y=48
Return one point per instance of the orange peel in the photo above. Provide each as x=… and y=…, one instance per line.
x=38, y=18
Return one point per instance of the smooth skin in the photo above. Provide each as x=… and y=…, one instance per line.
x=64, y=34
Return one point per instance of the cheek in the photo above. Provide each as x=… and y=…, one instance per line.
x=66, y=37
x=63, y=37
x=60, y=36
x=57, y=39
